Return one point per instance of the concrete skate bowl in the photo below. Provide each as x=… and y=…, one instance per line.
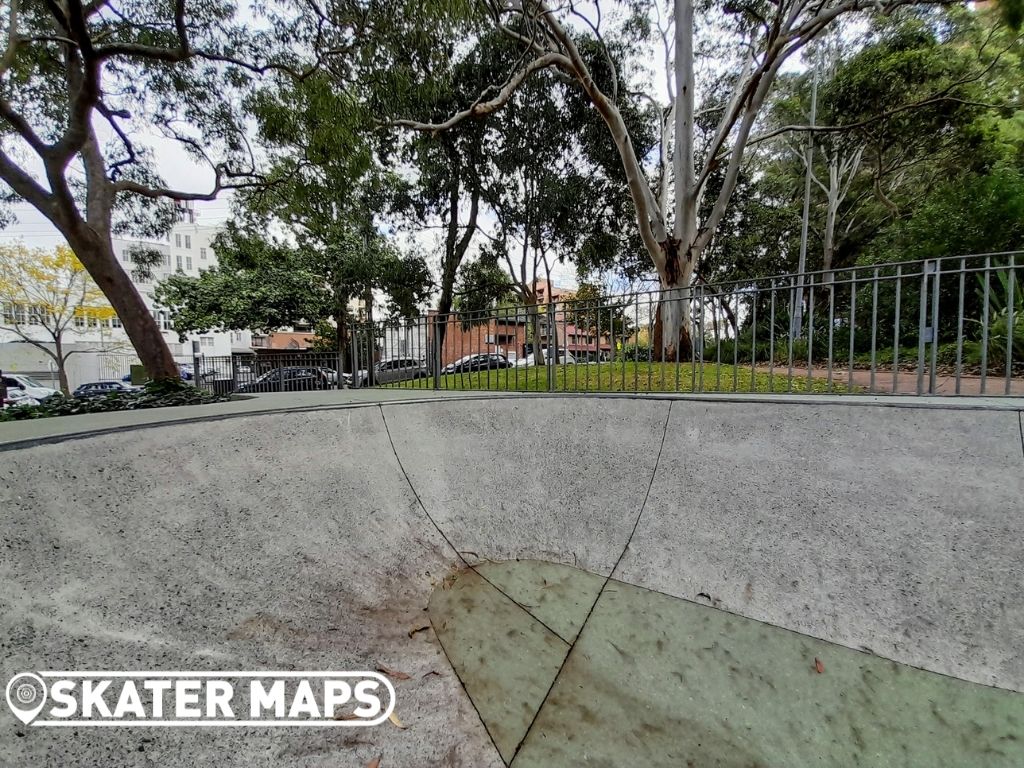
x=716, y=583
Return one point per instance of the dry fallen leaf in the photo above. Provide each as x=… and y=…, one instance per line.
x=346, y=716
x=818, y=666
x=393, y=673
x=420, y=628
x=375, y=763
x=396, y=722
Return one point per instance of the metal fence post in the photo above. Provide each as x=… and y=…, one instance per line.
x=197, y=376
x=436, y=362
x=550, y=361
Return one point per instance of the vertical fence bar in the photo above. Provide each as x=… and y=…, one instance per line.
x=960, y=325
x=790, y=335
x=853, y=331
x=716, y=311
x=436, y=352
x=700, y=335
x=678, y=351
x=1010, y=320
x=935, y=325
x=810, y=334
x=921, y=321
x=771, y=343
x=753, y=344
x=874, y=326
x=984, y=323
x=735, y=343
x=650, y=340
x=896, y=329
x=831, y=326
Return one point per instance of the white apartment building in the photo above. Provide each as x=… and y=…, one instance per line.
x=105, y=349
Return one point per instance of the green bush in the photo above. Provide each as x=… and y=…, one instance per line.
x=155, y=394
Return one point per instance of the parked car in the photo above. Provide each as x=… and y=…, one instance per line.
x=99, y=388
x=479, y=362
x=16, y=397
x=28, y=385
x=564, y=358
x=388, y=371
x=291, y=379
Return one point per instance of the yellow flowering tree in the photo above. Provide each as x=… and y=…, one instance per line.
x=47, y=298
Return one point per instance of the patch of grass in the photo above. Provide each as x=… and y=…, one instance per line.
x=632, y=377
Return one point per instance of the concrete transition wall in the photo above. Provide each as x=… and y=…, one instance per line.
x=312, y=540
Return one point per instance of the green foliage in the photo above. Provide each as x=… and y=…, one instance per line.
x=975, y=213
x=1006, y=300
x=166, y=393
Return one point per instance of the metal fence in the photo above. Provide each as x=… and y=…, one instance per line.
x=251, y=374
x=949, y=326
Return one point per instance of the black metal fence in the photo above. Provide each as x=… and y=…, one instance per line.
x=244, y=374
x=943, y=326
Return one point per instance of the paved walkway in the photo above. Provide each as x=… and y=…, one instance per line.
x=906, y=381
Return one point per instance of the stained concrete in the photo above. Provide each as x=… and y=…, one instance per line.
x=505, y=658
x=895, y=530
x=659, y=681
x=266, y=539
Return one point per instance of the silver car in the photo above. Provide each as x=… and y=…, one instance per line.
x=389, y=371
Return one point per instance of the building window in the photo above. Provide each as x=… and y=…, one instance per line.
x=115, y=322
x=177, y=241
x=167, y=260
x=188, y=262
x=33, y=316
x=94, y=322
x=188, y=241
x=206, y=341
x=79, y=321
x=202, y=253
x=178, y=259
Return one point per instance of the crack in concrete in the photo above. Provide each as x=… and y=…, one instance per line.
x=608, y=578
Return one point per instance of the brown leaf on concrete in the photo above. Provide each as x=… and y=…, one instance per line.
x=392, y=673
x=396, y=722
x=818, y=666
x=420, y=628
x=346, y=716
x=375, y=763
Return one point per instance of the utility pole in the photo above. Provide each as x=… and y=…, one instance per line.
x=797, y=321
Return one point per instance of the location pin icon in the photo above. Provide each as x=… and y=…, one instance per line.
x=26, y=695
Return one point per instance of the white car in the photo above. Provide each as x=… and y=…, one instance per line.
x=17, y=397
x=28, y=385
x=564, y=358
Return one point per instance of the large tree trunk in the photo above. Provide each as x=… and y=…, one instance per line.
x=673, y=340
x=97, y=256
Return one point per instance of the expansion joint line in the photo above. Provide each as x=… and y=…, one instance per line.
x=448, y=541
x=607, y=579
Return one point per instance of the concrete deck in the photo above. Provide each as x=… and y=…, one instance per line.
x=310, y=532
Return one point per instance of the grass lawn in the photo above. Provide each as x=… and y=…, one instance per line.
x=633, y=377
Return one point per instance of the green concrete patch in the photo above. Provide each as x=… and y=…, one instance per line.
x=657, y=681
x=506, y=659
x=558, y=596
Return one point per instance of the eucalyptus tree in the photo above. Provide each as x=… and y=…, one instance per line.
x=81, y=83
x=752, y=42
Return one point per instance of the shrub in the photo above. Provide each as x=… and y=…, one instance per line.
x=156, y=394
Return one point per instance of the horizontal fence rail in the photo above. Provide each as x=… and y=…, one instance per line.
x=949, y=326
